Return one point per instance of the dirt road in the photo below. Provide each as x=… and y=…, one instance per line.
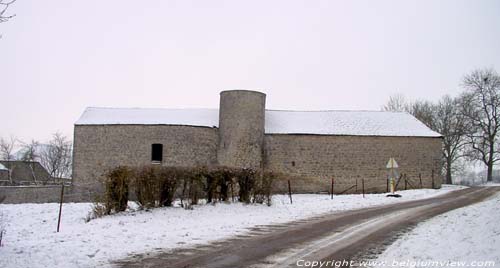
x=349, y=235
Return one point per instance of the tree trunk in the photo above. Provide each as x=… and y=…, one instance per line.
x=448, y=172
x=490, y=172
x=490, y=160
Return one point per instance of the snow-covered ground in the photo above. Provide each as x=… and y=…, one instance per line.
x=469, y=236
x=31, y=239
x=491, y=184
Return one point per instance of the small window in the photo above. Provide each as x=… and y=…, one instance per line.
x=293, y=163
x=157, y=152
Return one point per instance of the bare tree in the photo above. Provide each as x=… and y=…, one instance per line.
x=449, y=120
x=30, y=154
x=446, y=118
x=30, y=151
x=480, y=104
x=56, y=158
x=4, y=5
x=396, y=103
x=6, y=149
x=423, y=111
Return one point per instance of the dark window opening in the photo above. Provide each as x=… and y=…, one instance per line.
x=157, y=152
x=293, y=163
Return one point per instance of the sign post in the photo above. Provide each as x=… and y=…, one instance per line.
x=392, y=166
x=60, y=207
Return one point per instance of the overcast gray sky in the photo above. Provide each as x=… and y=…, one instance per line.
x=59, y=56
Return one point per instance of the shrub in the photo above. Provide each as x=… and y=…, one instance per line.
x=196, y=186
x=208, y=181
x=156, y=185
x=116, y=190
x=99, y=209
x=159, y=185
x=146, y=186
x=220, y=181
x=169, y=178
x=225, y=182
x=263, y=187
x=252, y=186
x=246, y=178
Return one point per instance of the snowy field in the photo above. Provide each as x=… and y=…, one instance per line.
x=31, y=239
x=468, y=236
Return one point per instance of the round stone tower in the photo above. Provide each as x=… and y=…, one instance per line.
x=241, y=128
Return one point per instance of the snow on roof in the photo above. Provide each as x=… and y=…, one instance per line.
x=2, y=167
x=349, y=123
x=149, y=116
x=355, y=123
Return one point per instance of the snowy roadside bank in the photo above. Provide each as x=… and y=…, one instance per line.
x=468, y=236
x=31, y=240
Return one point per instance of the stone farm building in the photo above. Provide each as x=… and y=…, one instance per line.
x=310, y=147
x=22, y=173
x=4, y=174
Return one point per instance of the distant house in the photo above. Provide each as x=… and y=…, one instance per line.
x=38, y=151
x=23, y=173
x=4, y=174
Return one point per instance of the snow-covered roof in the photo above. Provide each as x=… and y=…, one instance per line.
x=2, y=167
x=349, y=123
x=355, y=123
x=39, y=149
x=149, y=116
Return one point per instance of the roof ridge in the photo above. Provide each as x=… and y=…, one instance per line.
x=270, y=110
x=364, y=111
x=23, y=161
x=147, y=108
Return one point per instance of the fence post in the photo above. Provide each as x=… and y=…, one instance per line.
x=363, y=186
x=433, y=179
x=290, y=192
x=333, y=181
x=398, y=181
x=232, y=192
x=406, y=184
x=387, y=182
x=60, y=207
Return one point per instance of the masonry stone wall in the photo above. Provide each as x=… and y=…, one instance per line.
x=309, y=161
x=312, y=160
x=4, y=175
x=32, y=194
x=98, y=148
x=241, y=128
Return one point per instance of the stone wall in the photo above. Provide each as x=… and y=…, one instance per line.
x=98, y=148
x=4, y=175
x=312, y=160
x=32, y=194
x=241, y=128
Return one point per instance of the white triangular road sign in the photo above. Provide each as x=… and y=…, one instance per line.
x=392, y=163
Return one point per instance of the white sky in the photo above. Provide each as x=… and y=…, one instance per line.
x=58, y=57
